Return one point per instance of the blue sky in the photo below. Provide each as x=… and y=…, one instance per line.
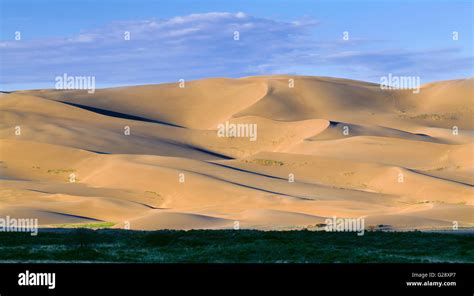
x=172, y=40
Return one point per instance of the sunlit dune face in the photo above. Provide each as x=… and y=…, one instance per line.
x=269, y=152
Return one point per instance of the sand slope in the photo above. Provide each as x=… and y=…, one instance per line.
x=149, y=157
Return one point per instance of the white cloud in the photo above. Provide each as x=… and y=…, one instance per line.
x=193, y=46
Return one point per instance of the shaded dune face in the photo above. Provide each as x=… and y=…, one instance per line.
x=241, y=153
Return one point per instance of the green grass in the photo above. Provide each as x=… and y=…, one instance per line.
x=79, y=245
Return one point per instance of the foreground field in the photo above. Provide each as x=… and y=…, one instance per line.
x=243, y=246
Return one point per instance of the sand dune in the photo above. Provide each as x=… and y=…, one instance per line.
x=151, y=156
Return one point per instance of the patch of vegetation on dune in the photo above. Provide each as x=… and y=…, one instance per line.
x=435, y=117
x=266, y=162
x=60, y=171
x=153, y=193
x=94, y=225
x=234, y=246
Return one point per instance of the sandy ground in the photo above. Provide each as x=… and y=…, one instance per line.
x=66, y=158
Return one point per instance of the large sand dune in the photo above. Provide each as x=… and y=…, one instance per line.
x=353, y=149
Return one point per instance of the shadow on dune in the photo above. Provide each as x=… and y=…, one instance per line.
x=118, y=114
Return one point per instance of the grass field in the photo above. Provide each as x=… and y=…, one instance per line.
x=227, y=246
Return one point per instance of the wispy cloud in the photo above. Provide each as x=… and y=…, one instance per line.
x=431, y=64
x=203, y=45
